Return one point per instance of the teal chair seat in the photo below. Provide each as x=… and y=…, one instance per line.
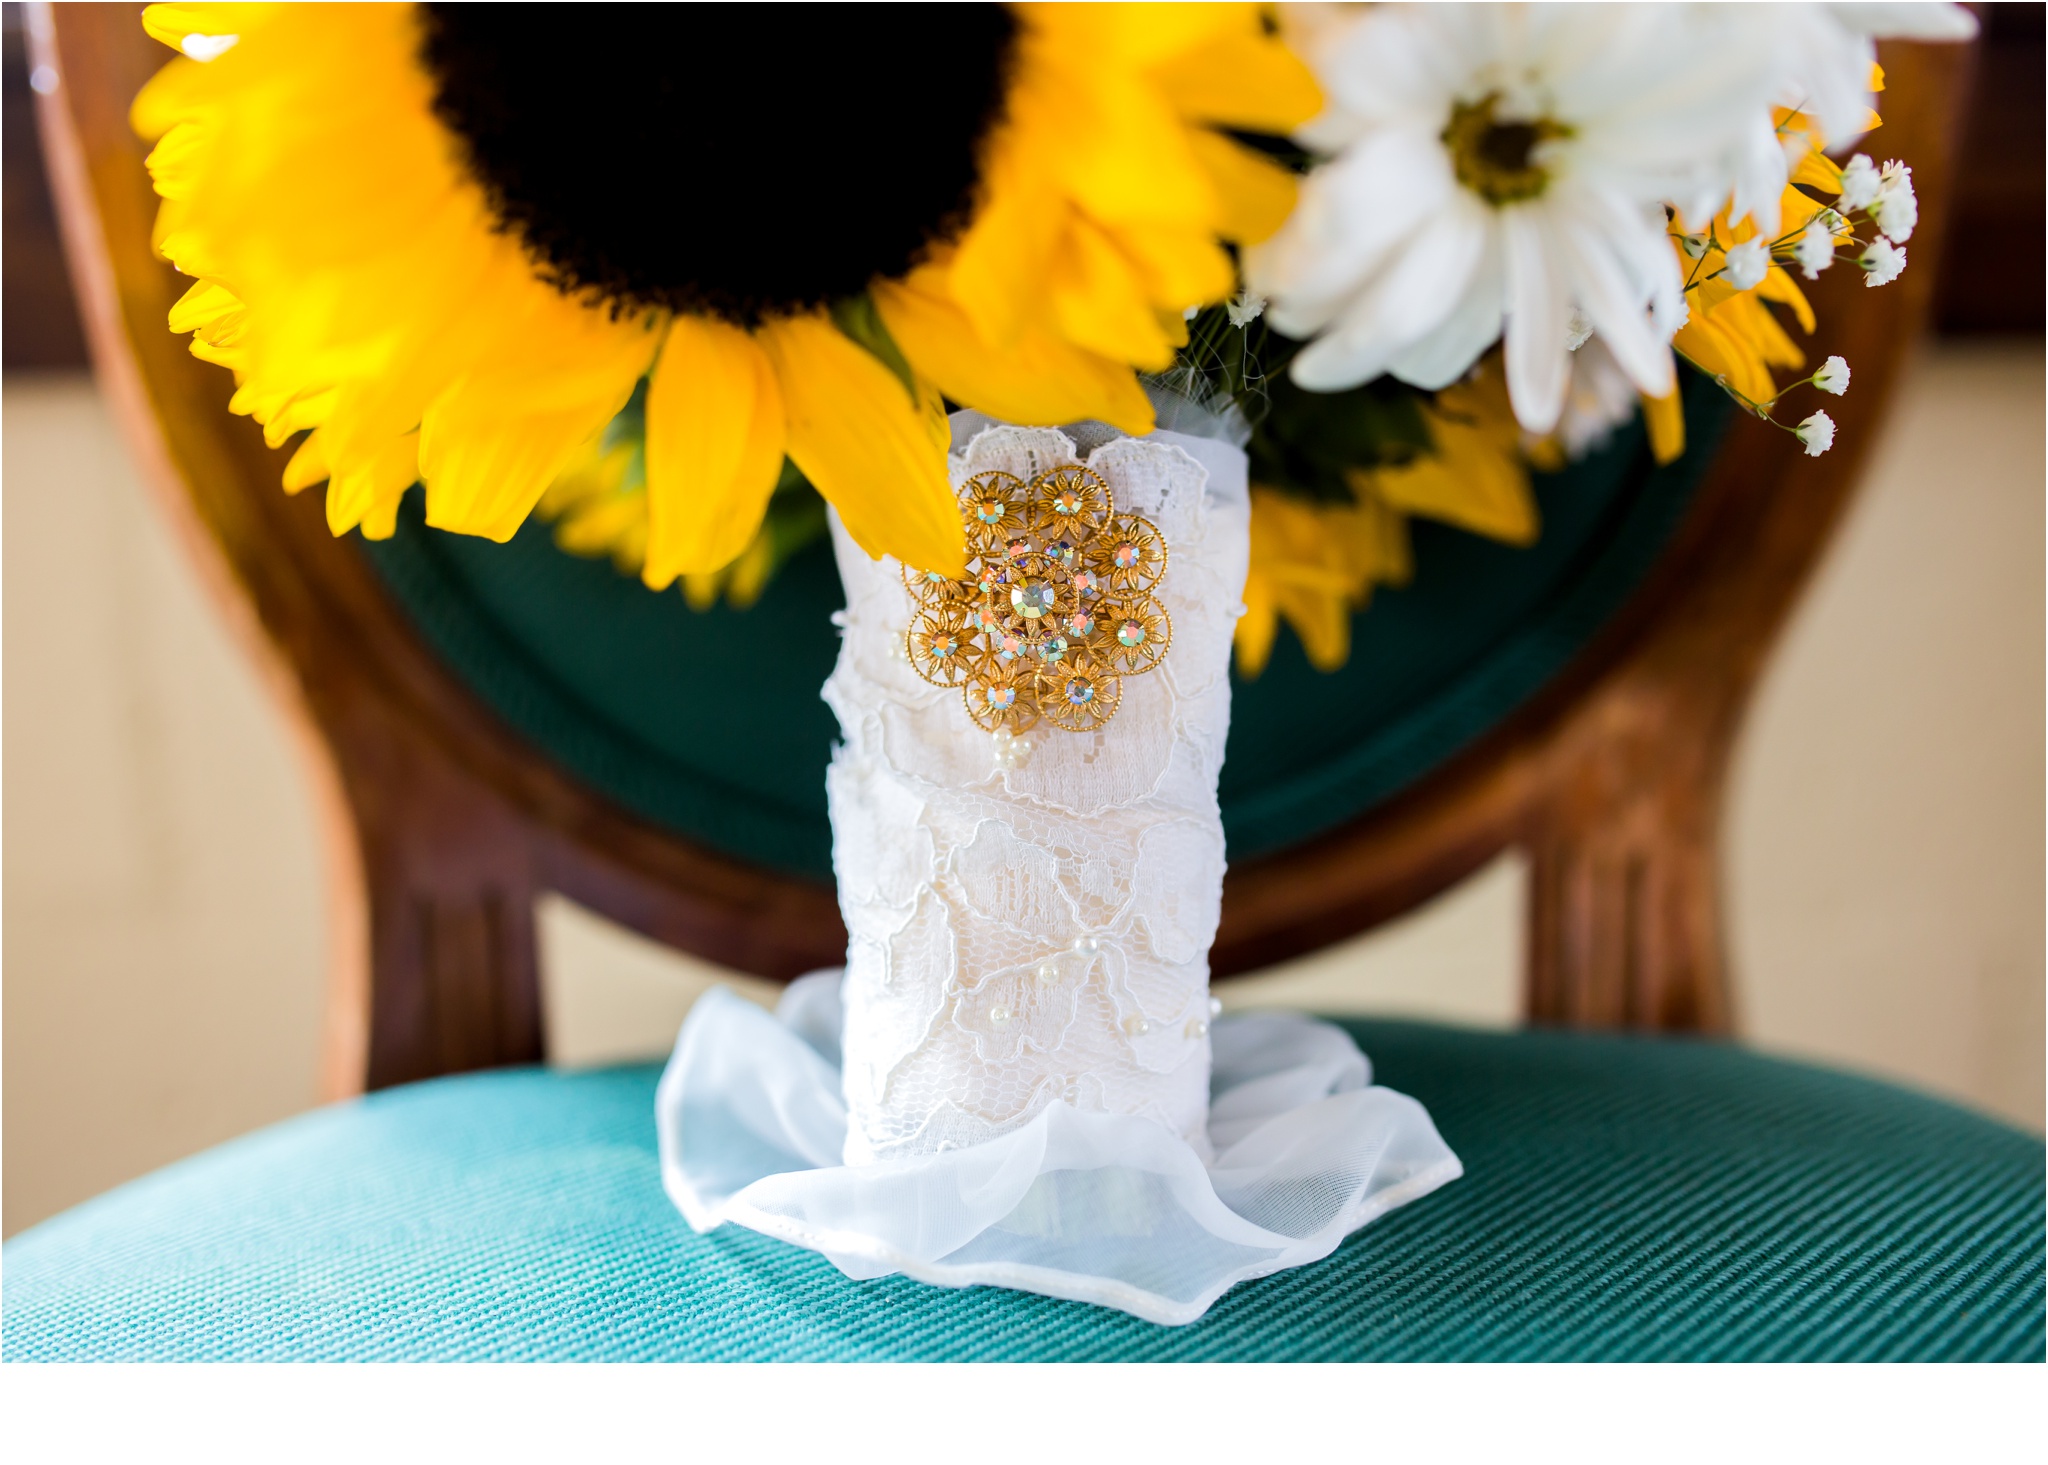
x=1623, y=1198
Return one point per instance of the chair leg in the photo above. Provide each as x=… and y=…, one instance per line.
x=1624, y=903
x=454, y=971
x=1622, y=934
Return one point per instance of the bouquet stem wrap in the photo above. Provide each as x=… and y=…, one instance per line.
x=1017, y=1079
x=1030, y=918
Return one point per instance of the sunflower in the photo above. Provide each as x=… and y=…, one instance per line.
x=449, y=244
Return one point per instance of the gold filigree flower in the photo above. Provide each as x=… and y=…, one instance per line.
x=1056, y=608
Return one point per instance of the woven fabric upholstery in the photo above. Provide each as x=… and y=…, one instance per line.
x=625, y=689
x=1623, y=1199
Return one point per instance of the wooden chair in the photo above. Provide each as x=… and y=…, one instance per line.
x=523, y=1205
x=446, y=824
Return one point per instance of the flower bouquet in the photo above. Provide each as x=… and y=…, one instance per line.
x=1101, y=341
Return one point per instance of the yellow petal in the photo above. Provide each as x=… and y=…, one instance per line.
x=308, y=465
x=1256, y=628
x=1039, y=380
x=1257, y=194
x=1665, y=419
x=1147, y=36
x=1244, y=80
x=862, y=441
x=368, y=494
x=590, y=477
x=615, y=526
x=1476, y=478
x=1112, y=141
x=494, y=440
x=172, y=23
x=749, y=574
x=715, y=443
x=995, y=275
x=1486, y=492
x=1100, y=303
x=1779, y=286
x=1757, y=330
x=1818, y=170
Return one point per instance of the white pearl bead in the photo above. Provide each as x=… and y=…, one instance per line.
x=1011, y=751
x=1215, y=1006
x=1137, y=1027
x=1087, y=943
x=1048, y=973
x=1197, y=1027
x=999, y=1015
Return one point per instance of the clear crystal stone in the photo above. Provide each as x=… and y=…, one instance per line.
x=1033, y=598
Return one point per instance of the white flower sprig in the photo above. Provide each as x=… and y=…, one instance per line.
x=1817, y=433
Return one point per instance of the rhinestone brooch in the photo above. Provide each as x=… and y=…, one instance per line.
x=1056, y=609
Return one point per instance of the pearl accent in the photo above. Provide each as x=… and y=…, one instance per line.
x=1087, y=943
x=1011, y=751
x=1136, y=1026
x=1048, y=973
x=1198, y=1027
x=1215, y=1007
x=999, y=1015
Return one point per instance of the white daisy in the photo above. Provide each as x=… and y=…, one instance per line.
x=1504, y=164
x=1600, y=399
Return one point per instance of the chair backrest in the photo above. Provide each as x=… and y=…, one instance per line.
x=1586, y=715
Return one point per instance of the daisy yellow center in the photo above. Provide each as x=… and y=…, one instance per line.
x=1495, y=157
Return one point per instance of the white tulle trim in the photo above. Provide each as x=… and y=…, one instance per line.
x=1104, y=1208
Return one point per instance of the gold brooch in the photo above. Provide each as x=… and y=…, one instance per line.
x=1057, y=607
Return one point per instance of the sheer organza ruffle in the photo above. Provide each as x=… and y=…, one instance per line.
x=1105, y=1208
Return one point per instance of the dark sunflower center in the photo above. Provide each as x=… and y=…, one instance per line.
x=1495, y=158
x=746, y=160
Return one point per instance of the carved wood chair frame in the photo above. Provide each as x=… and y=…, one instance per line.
x=443, y=825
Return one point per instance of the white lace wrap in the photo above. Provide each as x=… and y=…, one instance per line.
x=1031, y=924
x=1011, y=1084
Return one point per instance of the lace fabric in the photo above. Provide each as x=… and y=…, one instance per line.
x=1011, y=1082
x=1030, y=919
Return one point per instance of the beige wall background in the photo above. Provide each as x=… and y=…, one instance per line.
x=164, y=938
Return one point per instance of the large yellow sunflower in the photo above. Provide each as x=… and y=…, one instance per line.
x=352, y=271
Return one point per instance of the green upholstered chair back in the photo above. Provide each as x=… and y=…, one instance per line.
x=710, y=724
x=502, y=720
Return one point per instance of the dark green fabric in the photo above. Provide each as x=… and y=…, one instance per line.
x=711, y=724
x=1623, y=1199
